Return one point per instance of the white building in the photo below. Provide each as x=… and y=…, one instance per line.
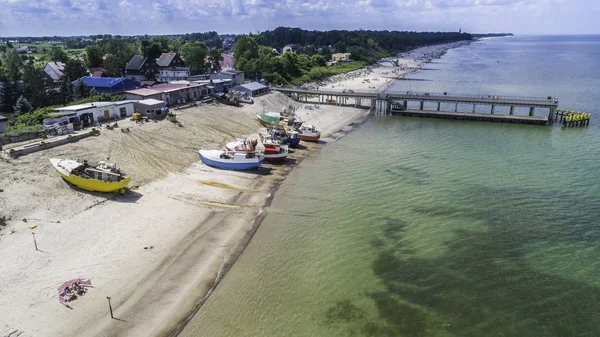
x=90, y=113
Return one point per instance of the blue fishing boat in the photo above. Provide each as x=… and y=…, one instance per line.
x=293, y=138
x=228, y=160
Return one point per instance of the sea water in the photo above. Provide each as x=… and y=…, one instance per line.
x=424, y=227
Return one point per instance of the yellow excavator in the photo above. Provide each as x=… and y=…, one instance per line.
x=137, y=116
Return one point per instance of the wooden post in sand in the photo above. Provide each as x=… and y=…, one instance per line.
x=34, y=241
x=110, y=307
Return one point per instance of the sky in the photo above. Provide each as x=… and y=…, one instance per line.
x=154, y=17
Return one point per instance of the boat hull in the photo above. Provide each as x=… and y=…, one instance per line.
x=293, y=142
x=91, y=185
x=310, y=138
x=228, y=164
x=276, y=157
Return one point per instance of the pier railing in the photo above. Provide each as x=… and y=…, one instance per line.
x=324, y=90
x=412, y=95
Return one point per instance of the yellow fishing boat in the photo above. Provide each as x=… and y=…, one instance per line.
x=105, y=177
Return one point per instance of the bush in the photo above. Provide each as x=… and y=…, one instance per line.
x=16, y=132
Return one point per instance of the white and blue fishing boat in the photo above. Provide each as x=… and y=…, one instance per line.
x=229, y=160
x=286, y=135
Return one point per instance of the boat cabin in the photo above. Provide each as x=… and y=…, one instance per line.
x=308, y=129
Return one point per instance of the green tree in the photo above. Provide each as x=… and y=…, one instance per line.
x=10, y=76
x=57, y=54
x=150, y=49
x=22, y=106
x=290, y=64
x=193, y=54
x=12, y=62
x=66, y=91
x=214, y=60
x=81, y=90
x=74, y=69
x=245, y=49
x=94, y=56
x=318, y=60
x=340, y=47
x=304, y=62
x=174, y=46
x=34, y=85
x=119, y=53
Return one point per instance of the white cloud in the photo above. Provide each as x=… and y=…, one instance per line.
x=75, y=17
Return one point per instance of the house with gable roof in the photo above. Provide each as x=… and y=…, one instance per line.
x=141, y=68
x=171, y=68
x=54, y=71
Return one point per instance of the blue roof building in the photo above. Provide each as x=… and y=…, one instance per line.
x=109, y=85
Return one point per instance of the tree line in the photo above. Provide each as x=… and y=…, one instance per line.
x=258, y=55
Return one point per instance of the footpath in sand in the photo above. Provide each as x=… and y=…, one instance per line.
x=157, y=250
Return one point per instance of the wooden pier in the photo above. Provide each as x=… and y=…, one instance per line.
x=382, y=103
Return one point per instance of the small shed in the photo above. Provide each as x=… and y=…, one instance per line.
x=253, y=89
x=3, y=123
x=151, y=108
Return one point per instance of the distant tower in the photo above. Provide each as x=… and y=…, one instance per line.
x=459, y=30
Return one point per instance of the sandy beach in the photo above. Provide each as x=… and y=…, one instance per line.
x=157, y=250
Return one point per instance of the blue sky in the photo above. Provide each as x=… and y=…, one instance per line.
x=129, y=17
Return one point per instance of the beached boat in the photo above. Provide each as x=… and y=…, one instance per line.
x=277, y=120
x=276, y=153
x=104, y=177
x=309, y=133
x=274, y=141
x=286, y=134
x=246, y=99
x=231, y=160
x=248, y=145
x=269, y=119
x=293, y=138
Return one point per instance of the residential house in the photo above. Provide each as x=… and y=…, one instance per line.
x=341, y=57
x=3, y=123
x=171, y=68
x=55, y=71
x=141, y=68
x=172, y=93
x=90, y=113
x=236, y=76
x=109, y=85
x=252, y=89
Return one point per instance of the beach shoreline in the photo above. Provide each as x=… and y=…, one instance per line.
x=158, y=275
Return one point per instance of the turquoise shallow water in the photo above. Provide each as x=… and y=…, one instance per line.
x=420, y=227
